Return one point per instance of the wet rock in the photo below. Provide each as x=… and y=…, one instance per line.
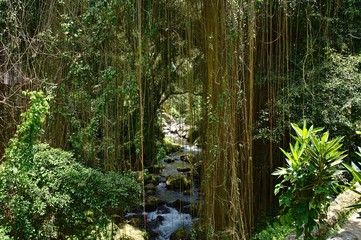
x=153, y=234
x=159, y=218
x=150, y=192
x=156, y=169
x=150, y=186
x=162, y=179
x=151, y=179
x=187, y=158
x=152, y=203
x=163, y=209
x=170, y=146
x=139, y=176
x=169, y=160
x=178, y=182
x=180, y=205
x=180, y=234
x=184, y=169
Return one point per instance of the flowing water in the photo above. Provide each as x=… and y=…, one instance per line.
x=174, y=213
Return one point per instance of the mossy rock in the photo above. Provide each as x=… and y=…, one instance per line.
x=127, y=231
x=151, y=203
x=170, y=146
x=169, y=160
x=135, y=222
x=156, y=169
x=178, y=182
x=150, y=186
x=150, y=192
x=151, y=178
x=184, y=169
x=187, y=158
x=180, y=234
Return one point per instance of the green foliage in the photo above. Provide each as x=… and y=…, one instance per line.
x=45, y=193
x=21, y=145
x=170, y=146
x=330, y=98
x=309, y=178
x=161, y=151
x=274, y=231
x=354, y=169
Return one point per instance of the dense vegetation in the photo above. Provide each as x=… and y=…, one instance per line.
x=238, y=72
x=46, y=194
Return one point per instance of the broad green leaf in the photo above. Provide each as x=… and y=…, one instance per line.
x=298, y=130
x=324, y=137
x=293, y=163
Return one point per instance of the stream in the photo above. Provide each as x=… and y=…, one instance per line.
x=175, y=206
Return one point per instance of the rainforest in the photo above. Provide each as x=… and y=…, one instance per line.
x=179, y=119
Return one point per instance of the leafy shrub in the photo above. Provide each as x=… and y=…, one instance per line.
x=274, y=231
x=309, y=178
x=330, y=98
x=45, y=193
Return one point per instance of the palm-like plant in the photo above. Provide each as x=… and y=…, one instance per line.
x=309, y=178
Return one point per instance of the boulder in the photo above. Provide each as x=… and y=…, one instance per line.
x=178, y=182
x=150, y=186
x=184, y=169
x=148, y=178
x=180, y=205
x=169, y=160
x=180, y=234
x=151, y=203
x=187, y=158
x=151, y=178
x=150, y=192
x=159, y=218
x=127, y=231
x=163, y=209
x=156, y=169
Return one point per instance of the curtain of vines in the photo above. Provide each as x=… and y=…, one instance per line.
x=229, y=30
x=111, y=64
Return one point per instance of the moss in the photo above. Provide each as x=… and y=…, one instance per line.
x=181, y=233
x=170, y=146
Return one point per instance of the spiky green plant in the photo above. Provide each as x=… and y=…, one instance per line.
x=309, y=178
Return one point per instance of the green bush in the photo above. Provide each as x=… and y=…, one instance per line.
x=46, y=194
x=330, y=98
x=309, y=178
x=274, y=231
